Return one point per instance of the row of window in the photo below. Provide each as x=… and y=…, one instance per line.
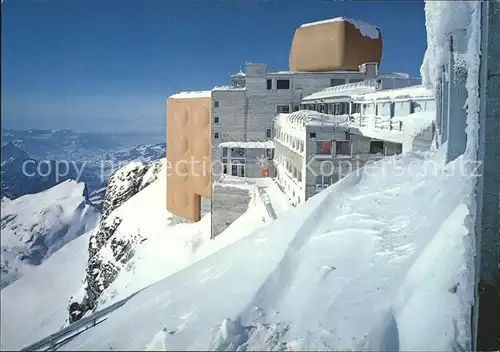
x=344, y=147
x=236, y=170
x=290, y=168
x=285, y=83
x=323, y=181
x=241, y=153
x=340, y=81
x=390, y=109
x=334, y=108
x=292, y=142
x=280, y=84
x=269, y=134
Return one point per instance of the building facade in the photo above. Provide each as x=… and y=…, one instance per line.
x=315, y=150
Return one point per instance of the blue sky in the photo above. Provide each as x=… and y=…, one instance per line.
x=110, y=64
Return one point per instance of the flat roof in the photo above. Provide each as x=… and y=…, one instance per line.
x=190, y=95
x=248, y=145
x=399, y=93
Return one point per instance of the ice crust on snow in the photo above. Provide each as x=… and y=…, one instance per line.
x=366, y=29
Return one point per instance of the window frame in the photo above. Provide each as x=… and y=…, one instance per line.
x=280, y=80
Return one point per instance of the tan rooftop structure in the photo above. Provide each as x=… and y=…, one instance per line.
x=335, y=44
x=188, y=153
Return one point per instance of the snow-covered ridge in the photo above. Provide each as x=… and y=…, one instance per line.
x=366, y=29
x=36, y=226
x=354, y=268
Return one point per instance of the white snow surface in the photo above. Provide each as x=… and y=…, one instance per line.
x=248, y=145
x=366, y=264
x=44, y=292
x=35, y=305
x=400, y=93
x=168, y=247
x=37, y=225
x=366, y=29
x=416, y=123
x=194, y=94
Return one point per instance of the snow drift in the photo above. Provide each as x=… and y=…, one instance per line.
x=352, y=268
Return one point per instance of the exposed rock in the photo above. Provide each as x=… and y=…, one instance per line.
x=108, y=254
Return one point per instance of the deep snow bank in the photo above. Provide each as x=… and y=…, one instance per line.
x=352, y=268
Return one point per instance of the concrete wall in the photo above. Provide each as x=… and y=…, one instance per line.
x=231, y=113
x=247, y=114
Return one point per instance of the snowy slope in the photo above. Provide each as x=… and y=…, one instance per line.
x=35, y=305
x=35, y=226
x=167, y=246
x=352, y=268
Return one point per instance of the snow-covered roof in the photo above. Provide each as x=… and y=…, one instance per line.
x=248, y=145
x=311, y=118
x=309, y=72
x=195, y=94
x=366, y=29
x=226, y=88
x=416, y=123
x=400, y=93
x=332, y=93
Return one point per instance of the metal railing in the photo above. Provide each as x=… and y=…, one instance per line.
x=57, y=339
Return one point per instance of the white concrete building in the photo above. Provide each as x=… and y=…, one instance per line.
x=246, y=159
x=314, y=150
x=245, y=110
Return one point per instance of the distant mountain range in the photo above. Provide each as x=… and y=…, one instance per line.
x=30, y=159
x=71, y=145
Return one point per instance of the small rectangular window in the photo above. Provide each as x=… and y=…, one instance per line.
x=376, y=147
x=283, y=109
x=216, y=135
x=337, y=82
x=343, y=148
x=327, y=181
x=323, y=147
x=234, y=170
x=296, y=108
x=224, y=152
x=312, y=134
x=237, y=152
x=216, y=119
x=319, y=181
x=283, y=84
x=269, y=133
x=355, y=80
x=224, y=171
x=216, y=104
x=269, y=84
x=269, y=153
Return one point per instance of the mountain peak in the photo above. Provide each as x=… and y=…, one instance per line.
x=10, y=150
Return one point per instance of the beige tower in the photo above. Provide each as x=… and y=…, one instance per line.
x=336, y=44
x=188, y=154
